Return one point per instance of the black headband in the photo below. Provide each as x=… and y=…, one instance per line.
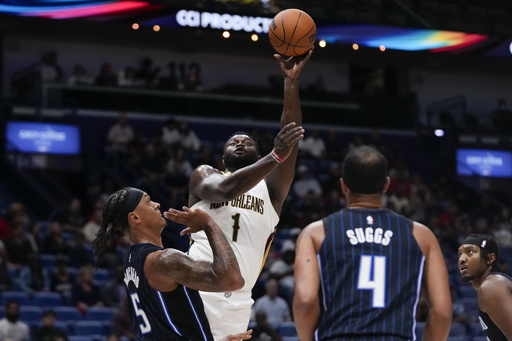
x=132, y=201
x=487, y=244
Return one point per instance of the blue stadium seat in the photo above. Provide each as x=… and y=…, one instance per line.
x=90, y=328
x=466, y=291
x=59, y=324
x=47, y=299
x=458, y=329
x=102, y=274
x=457, y=338
x=290, y=338
x=67, y=314
x=471, y=304
x=479, y=338
x=49, y=260
x=29, y=313
x=22, y=297
x=287, y=329
x=99, y=313
x=476, y=329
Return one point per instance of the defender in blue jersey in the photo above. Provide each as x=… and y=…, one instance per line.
x=162, y=283
x=478, y=264
x=359, y=271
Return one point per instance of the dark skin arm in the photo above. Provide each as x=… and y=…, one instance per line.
x=168, y=268
x=280, y=180
x=208, y=183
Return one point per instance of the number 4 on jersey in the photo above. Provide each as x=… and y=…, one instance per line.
x=372, y=276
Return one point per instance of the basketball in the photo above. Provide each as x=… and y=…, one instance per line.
x=292, y=32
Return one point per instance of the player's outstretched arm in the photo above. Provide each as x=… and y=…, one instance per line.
x=306, y=305
x=165, y=269
x=435, y=280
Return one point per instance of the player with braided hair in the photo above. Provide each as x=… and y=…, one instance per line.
x=162, y=283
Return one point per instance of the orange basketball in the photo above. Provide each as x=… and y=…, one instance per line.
x=292, y=32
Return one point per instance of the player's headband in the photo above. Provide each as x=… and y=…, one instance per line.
x=132, y=201
x=487, y=244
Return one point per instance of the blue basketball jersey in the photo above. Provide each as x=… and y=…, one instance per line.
x=371, y=270
x=174, y=315
x=491, y=330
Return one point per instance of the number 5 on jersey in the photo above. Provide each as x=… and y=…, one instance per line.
x=372, y=276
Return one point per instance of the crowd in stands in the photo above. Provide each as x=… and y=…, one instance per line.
x=54, y=254
x=184, y=76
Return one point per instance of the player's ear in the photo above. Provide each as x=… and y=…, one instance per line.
x=344, y=187
x=386, y=186
x=133, y=217
x=491, y=258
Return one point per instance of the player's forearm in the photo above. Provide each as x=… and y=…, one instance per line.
x=225, y=265
x=306, y=320
x=438, y=326
x=292, y=111
x=242, y=180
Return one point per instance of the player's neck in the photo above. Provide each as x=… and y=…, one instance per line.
x=364, y=201
x=477, y=282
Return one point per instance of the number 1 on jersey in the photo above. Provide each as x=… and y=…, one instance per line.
x=236, y=226
x=372, y=276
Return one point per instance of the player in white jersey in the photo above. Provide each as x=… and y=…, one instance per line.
x=246, y=202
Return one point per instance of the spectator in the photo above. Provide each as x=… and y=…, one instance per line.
x=282, y=270
x=398, y=202
x=80, y=253
x=62, y=280
x=54, y=242
x=188, y=138
x=501, y=117
x=114, y=291
x=192, y=80
x=51, y=72
x=48, y=331
x=15, y=214
x=170, y=133
x=120, y=135
x=178, y=176
x=34, y=277
x=150, y=167
x=263, y=331
x=332, y=147
x=126, y=78
x=122, y=321
x=92, y=226
x=306, y=185
x=275, y=307
x=80, y=76
x=34, y=237
x=71, y=217
x=313, y=145
x=17, y=246
x=85, y=293
x=5, y=278
x=106, y=76
x=11, y=328
x=144, y=72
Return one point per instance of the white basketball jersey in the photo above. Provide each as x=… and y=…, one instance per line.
x=248, y=222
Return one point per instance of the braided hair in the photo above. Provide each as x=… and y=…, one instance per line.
x=112, y=216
